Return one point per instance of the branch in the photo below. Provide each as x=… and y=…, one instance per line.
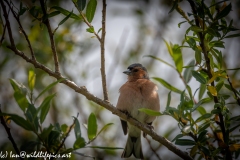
x=234, y=91
x=64, y=139
x=82, y=90
x=7, y=129
x=53, y=46
x=153, y=150
x=205, y=53
x=22, y=30
x=104, y=83
x=102, y=41
x=4, y=31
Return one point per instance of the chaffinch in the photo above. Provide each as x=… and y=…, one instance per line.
x=138, y=92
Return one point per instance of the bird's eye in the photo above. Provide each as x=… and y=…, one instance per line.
x=135, y=70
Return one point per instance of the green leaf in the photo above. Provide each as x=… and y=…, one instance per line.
x=202, y=136
x=198, y=57
x=224, y=12
x=90, y=30
x=66, y=12
x=18, y=87
x=203, y=126
x=21, y=100
x=79, y=143
x=177, y=137
x=212, y=90
x=192, y=43
x=64, y=128
x=189, y=91
x=179, y=24
x=175, y=4
x=31, y=79
x=150, y=112
x=219, y=44
x=212, y=7
x=19, y=121
x=219, y=85
x=169, y=48
x=201, y=91
x=53, y=137
x=233, y=35
x=205, y=116
x=46, y=132
x=185, y=142
x=199, y=77
x=50, y=86
x=54, y=13
x=233, y=128
x=167, y=85
x=201, y=110
x=213, y=32
x=92, y=126
x=196, y=28
x=202, y=101
x=187, y=75
x=44, y=107
x=168, y=100
x=66, y=18
x=104, y=127
x=99, y=30
x=91, y=8
x=81, y=4
x=77, y=129
x=31, y=115
x=177, y=57
x=159, y=59
x=20, y=92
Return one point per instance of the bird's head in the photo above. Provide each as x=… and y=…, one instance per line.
x=136, y=71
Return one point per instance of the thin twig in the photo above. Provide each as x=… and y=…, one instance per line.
x=234, y=91
x=86, y=21
x=51, y=36
x=22, y=30
x=153, y=150
x=102, y=43
x=7, y=129
x=4, y=31
x=64, y=139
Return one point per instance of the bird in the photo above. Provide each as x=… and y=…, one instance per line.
x=138, y=92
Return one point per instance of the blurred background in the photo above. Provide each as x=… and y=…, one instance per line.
x=134, y=29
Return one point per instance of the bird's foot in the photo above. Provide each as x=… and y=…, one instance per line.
x=149, y=125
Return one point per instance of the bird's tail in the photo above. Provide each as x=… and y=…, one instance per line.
x=133, y=146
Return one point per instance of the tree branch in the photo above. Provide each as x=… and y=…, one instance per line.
x=82, y=90
x=209, y=72
x=22, y=30
x=102, y=43
x=53, y=46
x=7, y=129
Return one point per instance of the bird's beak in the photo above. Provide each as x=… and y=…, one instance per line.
x=127, y=72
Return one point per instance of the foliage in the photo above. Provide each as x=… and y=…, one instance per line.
x=51, y=138
x=212, y=135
